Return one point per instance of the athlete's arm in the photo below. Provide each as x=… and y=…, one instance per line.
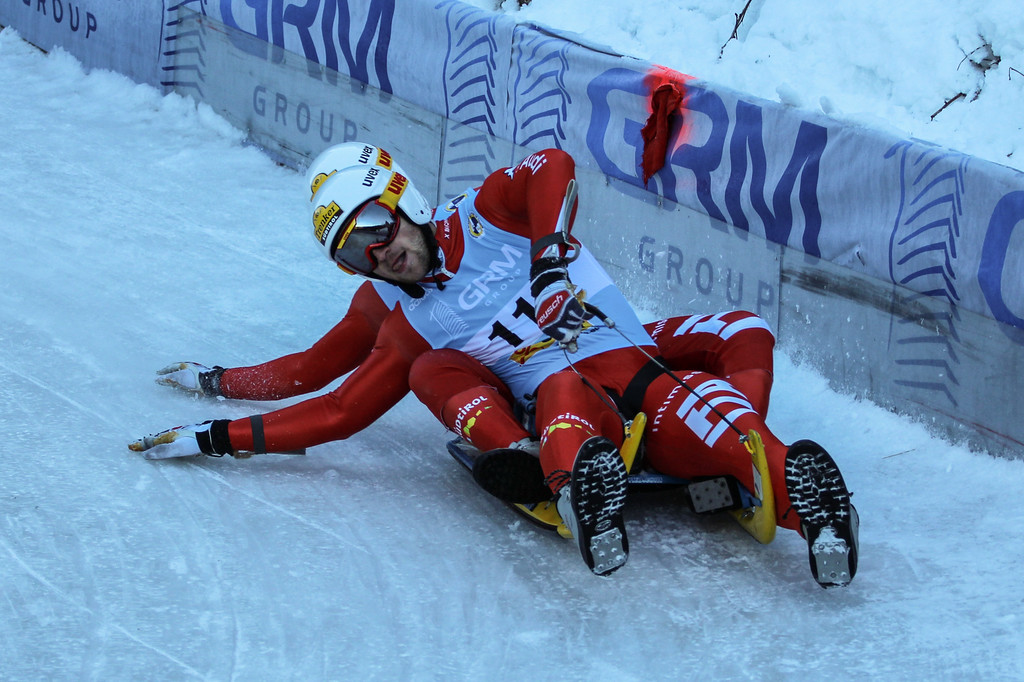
x=365, y=395
x=527, y=199
x=337, y=353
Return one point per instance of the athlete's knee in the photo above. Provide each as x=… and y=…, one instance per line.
x=447, y=368
x=434, y=362
x=747, y=324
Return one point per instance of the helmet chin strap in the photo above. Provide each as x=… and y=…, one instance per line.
x=433, y=248
x=411, y=290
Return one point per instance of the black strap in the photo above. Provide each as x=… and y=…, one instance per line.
x=215, y=440
x=209, y=382
x=545, y=271
x=410, y=290
x=259, y=440
x=544, y=242
x=633, y=397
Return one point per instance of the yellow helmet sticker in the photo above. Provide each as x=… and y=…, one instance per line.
x=324, y=218
x=394, y=191
x=320, y=179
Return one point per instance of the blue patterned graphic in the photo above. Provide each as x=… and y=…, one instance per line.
x=922, y=257
x=183, y=47
x=541, y=100
x=923, y=244
x=470, y=67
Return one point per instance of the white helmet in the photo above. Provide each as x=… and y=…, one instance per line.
x=356, y=190
x=336, y=158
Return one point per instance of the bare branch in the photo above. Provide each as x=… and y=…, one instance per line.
x=736, y=28
x=959, y=95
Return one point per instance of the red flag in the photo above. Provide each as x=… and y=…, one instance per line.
x=664, y=102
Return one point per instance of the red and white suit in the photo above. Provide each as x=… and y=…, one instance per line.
x=478, y=311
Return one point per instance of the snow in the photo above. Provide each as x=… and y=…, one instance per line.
x=877, y=63
x=138, y=229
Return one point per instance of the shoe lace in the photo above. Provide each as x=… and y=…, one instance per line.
x=557, y=479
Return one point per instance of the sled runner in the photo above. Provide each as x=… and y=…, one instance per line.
x=754, y=511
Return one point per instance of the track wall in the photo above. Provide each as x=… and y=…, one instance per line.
x=894, y=266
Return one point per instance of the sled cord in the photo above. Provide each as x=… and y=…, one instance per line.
x=611, y=325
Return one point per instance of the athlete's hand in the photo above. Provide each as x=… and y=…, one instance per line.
x=558, y=312
x=184, y=441
x=191, y=377
x=181, y=441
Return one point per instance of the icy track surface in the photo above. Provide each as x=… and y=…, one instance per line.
x=137, y=230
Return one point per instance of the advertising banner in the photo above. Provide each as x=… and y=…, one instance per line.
x=295, y=109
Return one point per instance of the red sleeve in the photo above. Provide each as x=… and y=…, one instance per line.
x=337, y=353
x=365, y=395
x=527, y=200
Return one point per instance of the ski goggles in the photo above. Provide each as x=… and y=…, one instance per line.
x=373, y=226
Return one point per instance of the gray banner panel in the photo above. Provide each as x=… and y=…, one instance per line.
x=672, y=260
x=119, y=36
x=469, y=156
x=946, y=366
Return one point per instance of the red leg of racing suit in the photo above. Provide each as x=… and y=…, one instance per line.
x=736, y=345
x=467, y=397
x=684, y=436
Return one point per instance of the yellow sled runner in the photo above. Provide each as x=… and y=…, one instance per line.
x=758, y=520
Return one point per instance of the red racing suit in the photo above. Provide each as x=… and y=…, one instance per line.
x=484, y=238
x=478, y=300
x=337, y=353
x=725, y=358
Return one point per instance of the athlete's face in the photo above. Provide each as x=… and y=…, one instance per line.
x=406, y=258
